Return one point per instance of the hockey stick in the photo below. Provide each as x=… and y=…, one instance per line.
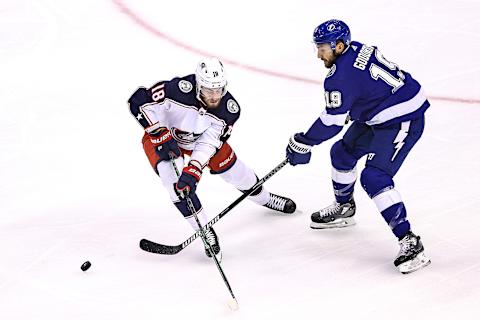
x=154, y=247
x=233, y=304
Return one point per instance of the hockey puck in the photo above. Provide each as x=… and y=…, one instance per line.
x=85, y=266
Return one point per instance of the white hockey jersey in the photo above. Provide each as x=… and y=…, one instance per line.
x=173, y=104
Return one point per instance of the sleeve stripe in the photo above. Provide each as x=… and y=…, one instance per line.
x=333, y=119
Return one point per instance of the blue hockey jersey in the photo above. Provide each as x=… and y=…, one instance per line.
x=364, y=86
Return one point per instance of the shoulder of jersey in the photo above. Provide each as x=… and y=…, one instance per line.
x=342, y=68
x=182, y=90
x=228, y=110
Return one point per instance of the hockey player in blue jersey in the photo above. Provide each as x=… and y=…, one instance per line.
x=386, y=107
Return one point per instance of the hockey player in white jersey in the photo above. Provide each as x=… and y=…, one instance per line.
x=194, y=116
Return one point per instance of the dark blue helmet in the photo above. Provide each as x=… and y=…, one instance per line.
x=330, y=31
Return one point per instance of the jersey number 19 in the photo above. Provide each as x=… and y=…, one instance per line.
x=378, y=72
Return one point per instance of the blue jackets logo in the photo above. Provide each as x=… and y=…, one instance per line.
x=185, y=86
x=232, y=106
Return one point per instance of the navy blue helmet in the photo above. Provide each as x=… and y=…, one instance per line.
x=330, y=31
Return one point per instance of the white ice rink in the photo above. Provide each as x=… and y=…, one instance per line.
x=76, y=185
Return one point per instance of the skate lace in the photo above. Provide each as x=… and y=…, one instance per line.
x=276, y=202
x=333, y=208
x=406, y=244
x=210, y=237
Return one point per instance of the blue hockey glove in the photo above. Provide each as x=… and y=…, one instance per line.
x=165, y=146
x=298, y=151
x=187, y=183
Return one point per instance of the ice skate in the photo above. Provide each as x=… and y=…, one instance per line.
x=212, y=239
x=411, y=256
x=281, y=204
x=334, y=216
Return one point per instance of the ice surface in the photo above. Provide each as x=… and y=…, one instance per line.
x=76, y=185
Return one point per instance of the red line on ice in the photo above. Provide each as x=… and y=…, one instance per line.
x=144, y=24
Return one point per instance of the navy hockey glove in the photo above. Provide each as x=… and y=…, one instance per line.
x=187, y=183
x=298, y=150
x=165, y=146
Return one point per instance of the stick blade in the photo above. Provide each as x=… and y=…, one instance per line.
x=158, y=248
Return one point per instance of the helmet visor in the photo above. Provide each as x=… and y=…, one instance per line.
x=323, y=48
x=212, y=93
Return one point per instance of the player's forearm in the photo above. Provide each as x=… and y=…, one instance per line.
x=207, y=145
x=320, y=132
x=202, y=153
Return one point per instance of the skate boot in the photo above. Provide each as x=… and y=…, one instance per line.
x=334, y=216
x=411, y=256
x=212, y=239
x=279, y=203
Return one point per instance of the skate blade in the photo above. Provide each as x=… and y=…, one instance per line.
x=219, y=256
x=339, y=223
x=417, y=263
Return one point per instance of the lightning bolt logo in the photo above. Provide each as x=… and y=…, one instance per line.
x=402, y=134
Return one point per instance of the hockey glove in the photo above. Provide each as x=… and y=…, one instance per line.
x=187, y=183
x=165, y=146
x=298, y=150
